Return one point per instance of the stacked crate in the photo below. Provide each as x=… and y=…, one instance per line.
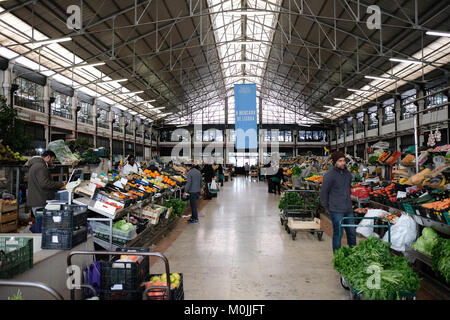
x=65, y=228
x=9, y=214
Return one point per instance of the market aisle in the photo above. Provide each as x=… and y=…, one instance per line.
x=240, y=251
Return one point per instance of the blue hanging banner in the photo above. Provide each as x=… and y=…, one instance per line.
x=246, y=126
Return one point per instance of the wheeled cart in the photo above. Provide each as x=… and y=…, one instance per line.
x=303, y=216
x=354, y=293
x=163, y=292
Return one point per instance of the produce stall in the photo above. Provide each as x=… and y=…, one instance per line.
x=125, y=209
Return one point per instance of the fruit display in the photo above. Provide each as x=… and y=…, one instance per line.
x=8, y=155
x=161, y=281
x=315, y=178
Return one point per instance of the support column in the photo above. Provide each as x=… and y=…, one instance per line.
x=295, y=137
x=421, y=106
x=123, y=125
x=345, y=136
x=48, y=112
x=355, y=128
x=379, y=118
x=397, y=114
x=75, y=110
x=225, y=135
x=366, y=128
x=96, y=115
x=112, y=120
x=142, y=128
x=7, y=82
x=134, y=128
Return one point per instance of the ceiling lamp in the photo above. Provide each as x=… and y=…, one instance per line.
x=358, y=90
x=111, y=81
x=405, y=61
x=379, y=78
x=438, y=33
x=44, y=42
x=344, y=100
x=89, y=65
x=135, y=92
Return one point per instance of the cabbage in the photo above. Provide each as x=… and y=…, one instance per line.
x=429, y=233
x=424, y=245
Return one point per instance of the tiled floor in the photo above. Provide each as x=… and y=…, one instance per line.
x=240, y=251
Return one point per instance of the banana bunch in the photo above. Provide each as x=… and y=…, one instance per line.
x=403, y=181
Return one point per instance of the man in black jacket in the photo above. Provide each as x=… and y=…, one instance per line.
x=41, y=186
x=335, y=198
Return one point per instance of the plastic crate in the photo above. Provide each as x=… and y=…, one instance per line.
x=63, y=239
x=175, y=294
x=408, y=208
x=120, y=294
x=16, y=256
x=69, y=217
x=447, y=217
x=102, y=230
x=122, y=280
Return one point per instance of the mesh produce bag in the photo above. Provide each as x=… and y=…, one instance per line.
x=63, y=153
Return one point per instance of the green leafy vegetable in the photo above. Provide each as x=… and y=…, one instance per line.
x=290, y=199
x=426, y=242
x=296, y=171
x=17, y=296
x=177, y=205
x=359, y=264
x=441, y=258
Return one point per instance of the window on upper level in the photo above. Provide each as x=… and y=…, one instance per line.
x=407, y=107
x=30, y=95
x=116, y=125
x=436, y=99
x=349, y=126
x=103, y=120
x=388, y=111
x=360, y=122
x=373, y=121
x=62, y=107
x=85, y=114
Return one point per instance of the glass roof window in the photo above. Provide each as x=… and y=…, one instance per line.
x=243, y=53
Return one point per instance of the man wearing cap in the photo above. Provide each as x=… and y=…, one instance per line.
x=335, y=198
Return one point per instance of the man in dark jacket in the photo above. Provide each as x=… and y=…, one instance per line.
x=335, y=198
x=194, y=188
x=41, y=186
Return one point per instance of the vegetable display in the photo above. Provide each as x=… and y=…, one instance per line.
x=296, y=172
x=441, y=258
x=124, y=226
x=358, y=265
x=177, y=205
x=426, y=242
x=290, y=199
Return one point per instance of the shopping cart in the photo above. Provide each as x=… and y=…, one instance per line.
x=39, y=285
x=303, y=216
x=168, y=294
x=354, y=294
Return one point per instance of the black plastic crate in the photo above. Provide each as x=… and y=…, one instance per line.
x=175, y=294
x=16, y=256
x=120, y=294
x=69, y=217
x=125, y=276
x=63, y=239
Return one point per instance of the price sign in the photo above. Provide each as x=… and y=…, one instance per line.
x=401, y=194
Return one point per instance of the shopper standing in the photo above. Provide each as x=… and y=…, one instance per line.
x=220, y=174
x=276, y=180
x=208, y=174
x=335, y=198
x=247, y=169
x=41, y=186
x=194, y=188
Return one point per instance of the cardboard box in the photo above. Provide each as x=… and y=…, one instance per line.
x=8, y=216
x=8, y=227
x=7, y=207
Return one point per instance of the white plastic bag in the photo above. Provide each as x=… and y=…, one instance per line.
x=214, y=185
x=368, y=231
x=403, y=232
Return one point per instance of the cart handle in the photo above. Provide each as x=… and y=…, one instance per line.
x=388, y=226
x=107, y=253
x=38, y=285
